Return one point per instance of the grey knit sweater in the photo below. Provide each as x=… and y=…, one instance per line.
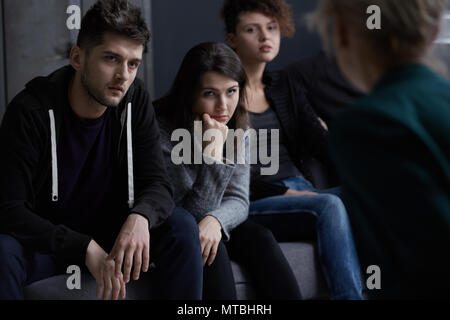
x=219, y=190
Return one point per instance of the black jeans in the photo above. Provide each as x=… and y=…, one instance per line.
x=174, y=251
x=255, y=248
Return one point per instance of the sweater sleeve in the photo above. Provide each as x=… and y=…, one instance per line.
x=198, y=188
x=22, y=141
x=233, y=209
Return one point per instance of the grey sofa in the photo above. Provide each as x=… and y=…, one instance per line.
x=301, y=256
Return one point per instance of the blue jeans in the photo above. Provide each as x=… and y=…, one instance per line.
x=304, y=217
x=174, y=248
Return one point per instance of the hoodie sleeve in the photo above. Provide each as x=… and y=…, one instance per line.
x=153, y=191
x=23, y=135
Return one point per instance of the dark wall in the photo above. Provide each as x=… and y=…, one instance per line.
x=35, y=41
x=179, y=25
x=2, y=72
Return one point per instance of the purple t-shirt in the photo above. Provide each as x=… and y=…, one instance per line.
x=85, y=169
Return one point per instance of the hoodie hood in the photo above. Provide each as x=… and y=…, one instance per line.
x=52, y=93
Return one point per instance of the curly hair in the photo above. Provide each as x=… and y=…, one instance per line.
x=117, y=16
x=279, y=9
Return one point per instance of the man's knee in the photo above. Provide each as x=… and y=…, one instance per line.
x=185, y=228
x=9, y=248
x=11, y=255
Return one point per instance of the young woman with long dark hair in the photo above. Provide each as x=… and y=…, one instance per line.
x=210, y=89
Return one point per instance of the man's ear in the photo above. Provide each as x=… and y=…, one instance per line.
x=76, y=57
x=231, y=40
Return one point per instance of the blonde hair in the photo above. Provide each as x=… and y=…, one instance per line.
x=407, y=27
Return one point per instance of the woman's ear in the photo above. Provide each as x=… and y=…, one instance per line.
x=435, y=32
x=341, y=32
x=231, y=40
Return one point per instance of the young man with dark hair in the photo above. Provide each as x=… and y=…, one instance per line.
x=81, y=160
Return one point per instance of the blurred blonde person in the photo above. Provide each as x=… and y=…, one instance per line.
x=287, y=203
x=392, y=148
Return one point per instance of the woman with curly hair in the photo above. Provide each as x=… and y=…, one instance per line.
x=287, y=202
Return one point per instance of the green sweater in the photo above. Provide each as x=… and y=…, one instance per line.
x=392, y=152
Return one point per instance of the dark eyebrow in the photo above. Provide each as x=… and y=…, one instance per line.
x=112, y=53
x=119, y=56
x=257, y=24
x=215, y=89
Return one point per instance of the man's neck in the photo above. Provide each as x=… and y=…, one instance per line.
x=82, y=104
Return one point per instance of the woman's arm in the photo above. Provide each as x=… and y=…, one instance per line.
x=309, y=125
x=233, y=209
x=197, y=188
x=261, y=189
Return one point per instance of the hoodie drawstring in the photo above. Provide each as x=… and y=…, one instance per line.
x=54, y=157
x=130, y=159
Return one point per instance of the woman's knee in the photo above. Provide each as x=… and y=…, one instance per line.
x=261, y=235
x=222, y=260
x=333, y=211
x=332, y=202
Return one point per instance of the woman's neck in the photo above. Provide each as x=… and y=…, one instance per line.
x=256, y=99
x=255, y=75
x=374, y=72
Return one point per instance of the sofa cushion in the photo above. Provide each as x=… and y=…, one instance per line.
x=303, y=259
x=301, y=256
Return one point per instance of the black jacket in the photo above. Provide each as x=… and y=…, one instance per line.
x=28, y=183
x=305, y=136
x=328, y=92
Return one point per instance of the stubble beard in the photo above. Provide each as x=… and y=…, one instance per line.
x=92, y=91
